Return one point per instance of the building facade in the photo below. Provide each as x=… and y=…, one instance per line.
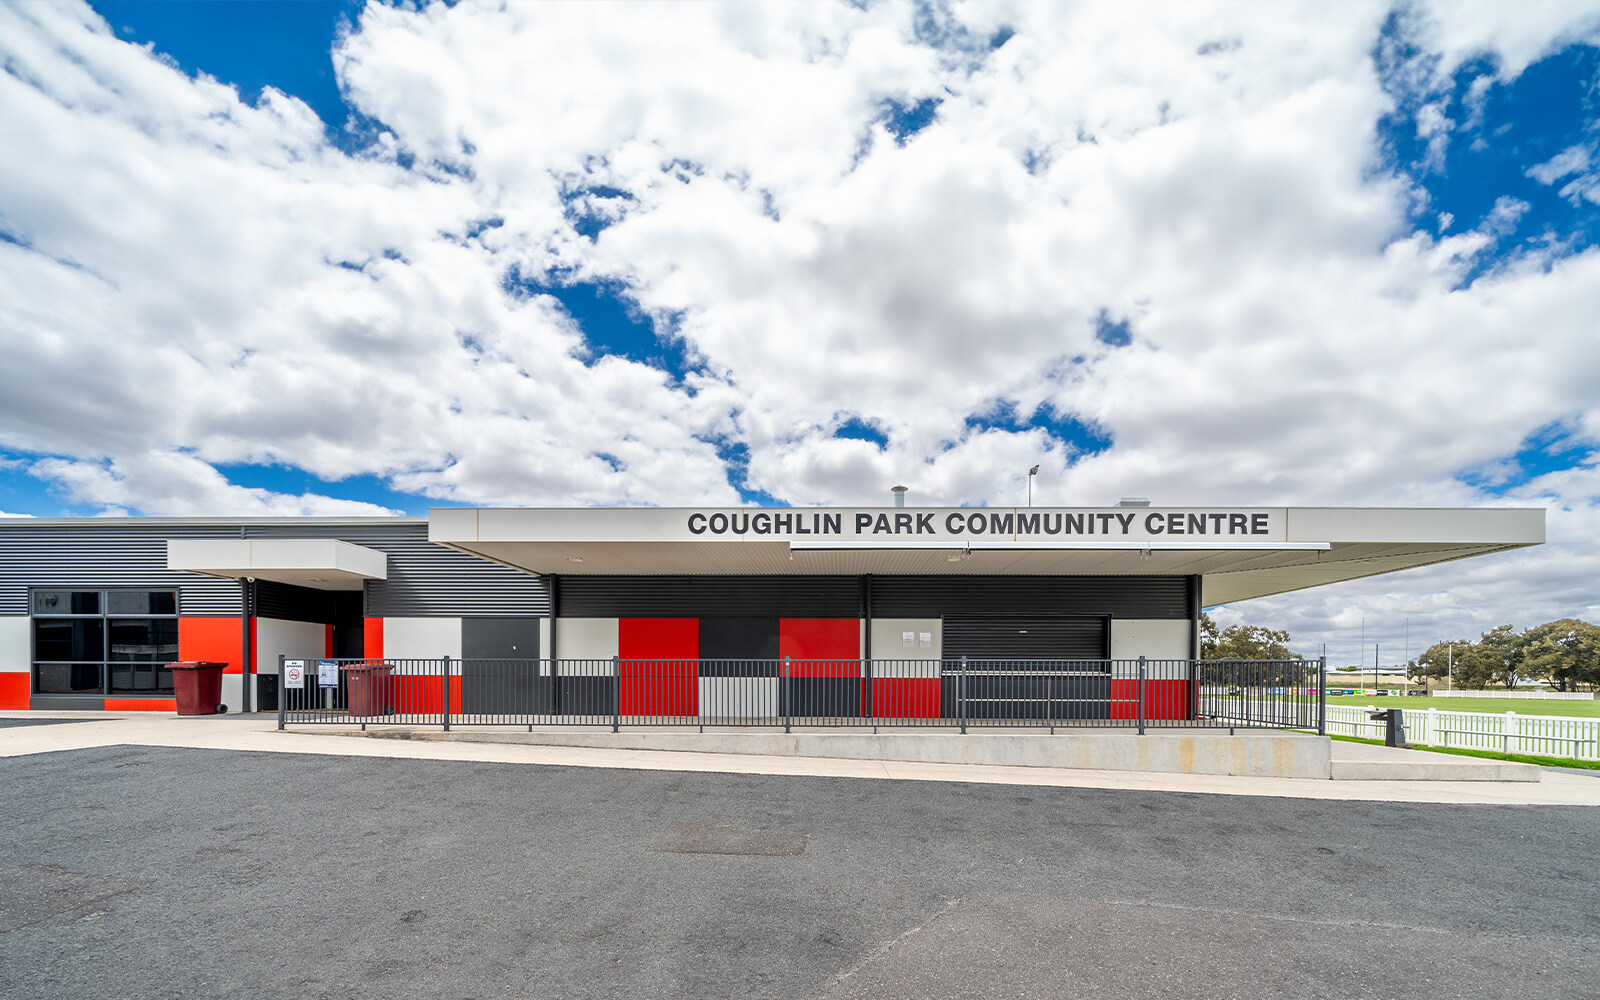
x=92, y=608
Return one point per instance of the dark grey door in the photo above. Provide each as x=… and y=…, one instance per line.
x=500, y=672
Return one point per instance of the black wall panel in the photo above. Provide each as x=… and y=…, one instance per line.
x=1116, y=596
x=710, y=597
x=737, y=639
x=305, y=604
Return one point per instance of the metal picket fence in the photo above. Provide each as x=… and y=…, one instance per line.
x=963, y=693
x=1506, y=732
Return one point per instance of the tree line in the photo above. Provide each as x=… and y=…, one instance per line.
x=1563, y=654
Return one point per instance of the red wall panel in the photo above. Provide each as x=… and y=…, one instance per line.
x=372, y=638
x=14, y=691
x=142, y=704
x=905, y=697
x=215, y=640
x=821, y=647
x=660, y=666
x=1164, y=699
x=419, y=694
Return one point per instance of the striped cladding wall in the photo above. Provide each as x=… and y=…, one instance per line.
x=1148, y=597
x=425, y=580
x=92, y=554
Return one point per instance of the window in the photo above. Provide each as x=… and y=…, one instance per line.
x=104, y=642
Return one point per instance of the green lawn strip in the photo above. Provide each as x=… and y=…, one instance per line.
x=1516, y=758
x=1483, y=706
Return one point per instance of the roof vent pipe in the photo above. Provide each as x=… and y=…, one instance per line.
x=1133, y=502
x=899, y=495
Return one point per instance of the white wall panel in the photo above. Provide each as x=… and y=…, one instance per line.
x=739, y=697
x=586, y=639
x=233, y=692
x=421, y=638
x=293, y=640
x=15, y=645
x=1155, y=638
x=888, y=638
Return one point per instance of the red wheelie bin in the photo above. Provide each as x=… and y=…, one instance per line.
x=198, y=687
x=371, y=688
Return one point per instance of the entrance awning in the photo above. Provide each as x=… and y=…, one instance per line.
x=318, y=563
x=1239, y=553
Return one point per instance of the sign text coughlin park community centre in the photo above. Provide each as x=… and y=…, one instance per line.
x=965, y=523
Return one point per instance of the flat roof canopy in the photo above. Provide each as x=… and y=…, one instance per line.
x=319, y=563
x=1239, y=553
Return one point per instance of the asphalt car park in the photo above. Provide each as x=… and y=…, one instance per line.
x=133, y=871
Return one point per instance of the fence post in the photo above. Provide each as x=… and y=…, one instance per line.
x=1322, y=696
x=444, y=707
x=616, y=692
x=1141, y=694
x=283, y=691
x=961, y=696
x=788, y=706
x=1508, y=732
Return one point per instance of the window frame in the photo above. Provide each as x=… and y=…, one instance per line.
x=106, y=663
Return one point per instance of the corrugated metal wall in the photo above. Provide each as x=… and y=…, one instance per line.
x=1115, y=596
x=425, y=580
x=92, y=554
x=428, y=580
x=710, y=596
x=1025, y=637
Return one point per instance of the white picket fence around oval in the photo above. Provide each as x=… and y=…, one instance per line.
x=1522, y=695
x=1511, y=732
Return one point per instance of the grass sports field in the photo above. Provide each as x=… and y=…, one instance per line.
x=1488, y=706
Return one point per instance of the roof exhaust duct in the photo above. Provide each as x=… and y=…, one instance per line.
x=899, y=495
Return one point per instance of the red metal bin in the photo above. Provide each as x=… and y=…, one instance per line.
x=198, y=687
x=370, y=687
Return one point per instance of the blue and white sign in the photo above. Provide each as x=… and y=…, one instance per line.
x=327, y=673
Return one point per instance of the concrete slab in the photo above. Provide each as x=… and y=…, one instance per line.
x=256, y=733
x=1364, y=762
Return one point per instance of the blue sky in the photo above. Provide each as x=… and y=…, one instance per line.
x=661, y=254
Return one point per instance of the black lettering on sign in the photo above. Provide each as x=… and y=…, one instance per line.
x=832, y=524
x=719, y=524
x=1154, y=524
x=1027, y=524
x=761, y=524
x=881, y=525
x=783, y=524
x=1074, y=524
x=1258, y=524
x=976, y=523
x=953, y=524
x=739, y=527
x=1127, y=521
x=699, y=528
x=925, y=524
x=1055, y=529
x=1238, y=524
x=1000, y=524
x=1174, y=524
x=863, y=522
x=902, y=523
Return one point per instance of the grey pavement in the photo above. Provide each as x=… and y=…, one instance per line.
x=161, y=871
